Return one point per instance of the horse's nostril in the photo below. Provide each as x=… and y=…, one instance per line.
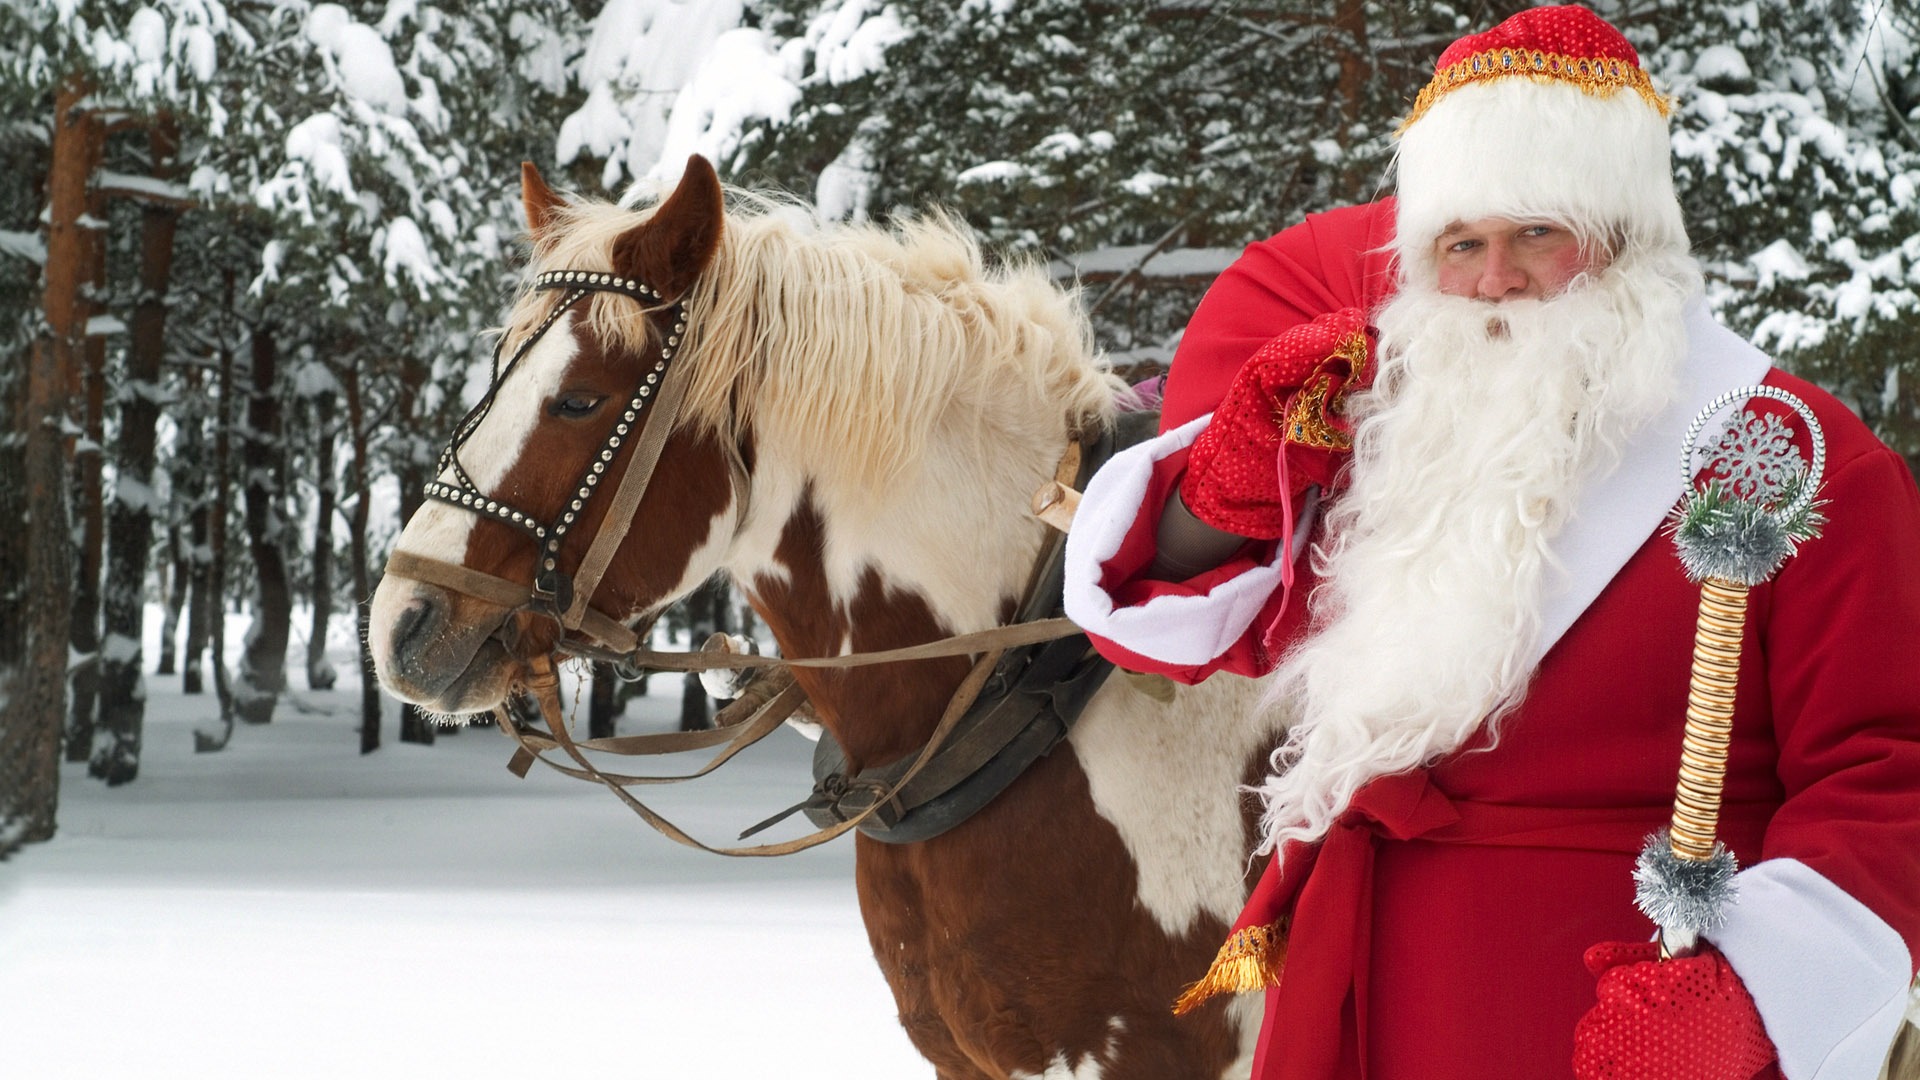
x=414, y=625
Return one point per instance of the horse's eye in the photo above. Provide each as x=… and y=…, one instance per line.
x=574, y=406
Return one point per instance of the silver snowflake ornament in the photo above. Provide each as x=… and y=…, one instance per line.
x=1754, y=457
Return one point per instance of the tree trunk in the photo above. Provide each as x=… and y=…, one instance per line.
x=178, y=573
x=602, y=708
x=34, y=705
x=263, y=665
x=122, y=695
x=203, y=596
x=13, y=507
x=193, y=492
x=362, y=571
x=88, y=453
x=211, y=588
x=320, y=673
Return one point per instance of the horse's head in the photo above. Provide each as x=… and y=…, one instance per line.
x=534, y=472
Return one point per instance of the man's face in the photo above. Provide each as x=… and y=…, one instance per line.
x=1497, y=258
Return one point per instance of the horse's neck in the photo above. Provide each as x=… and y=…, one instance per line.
x=835, y=570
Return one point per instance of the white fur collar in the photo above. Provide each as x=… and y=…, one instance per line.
x=1617, y=512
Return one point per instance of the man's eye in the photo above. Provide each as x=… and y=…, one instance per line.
x=575, y=406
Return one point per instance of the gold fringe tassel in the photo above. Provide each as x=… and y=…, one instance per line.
x=1250, y=960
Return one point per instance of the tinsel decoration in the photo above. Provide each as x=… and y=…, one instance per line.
x=1758, y=504
x=1723, y=536
x=1686, y=897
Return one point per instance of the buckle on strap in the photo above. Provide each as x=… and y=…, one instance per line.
x=553, y=594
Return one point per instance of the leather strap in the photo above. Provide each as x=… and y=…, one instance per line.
x=544, y=684
x=633, y=486
x=502, y=593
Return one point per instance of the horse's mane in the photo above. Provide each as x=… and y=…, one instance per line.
x=860, y=339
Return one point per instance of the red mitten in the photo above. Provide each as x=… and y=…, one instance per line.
x=1684, y=1019
x=1289, y=397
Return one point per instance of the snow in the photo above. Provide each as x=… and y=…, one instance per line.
x=289, y=908
x=1721, y=63
x=1178, y=262
x=361, y=57
x=991, y=172
x=597, y=126
x=846, y=185
x=1144, y=183
x=142, y=185
x=120, y=649
x=137, y=496
x=404, y=251
x=203, y=53
x=1778, y=261
x=641, y=58
x=316, y=141
x=147, y=33
x=738, y=82
x=849, y=55
x=23, y=245
x=313, y=379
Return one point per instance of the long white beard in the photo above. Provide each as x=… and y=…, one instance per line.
x=1469, y=455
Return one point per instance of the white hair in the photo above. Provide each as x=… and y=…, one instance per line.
x=1469, y=453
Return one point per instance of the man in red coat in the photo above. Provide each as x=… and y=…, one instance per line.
x=1415, y=463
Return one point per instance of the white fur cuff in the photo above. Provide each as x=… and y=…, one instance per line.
x=1177, y=630
x=1829, y=977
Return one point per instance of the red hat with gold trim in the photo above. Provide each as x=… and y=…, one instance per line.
x=1546, y=117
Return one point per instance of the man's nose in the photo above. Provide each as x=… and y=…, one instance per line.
x=1500, y=277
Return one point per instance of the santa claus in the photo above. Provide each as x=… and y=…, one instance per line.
x=1415, y=462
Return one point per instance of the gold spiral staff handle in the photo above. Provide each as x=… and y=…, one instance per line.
x=1709, y=732
x=1758, y=504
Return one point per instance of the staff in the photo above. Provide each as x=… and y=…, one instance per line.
x=1734, y=531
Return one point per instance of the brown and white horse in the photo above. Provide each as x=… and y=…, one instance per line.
x=894, y=405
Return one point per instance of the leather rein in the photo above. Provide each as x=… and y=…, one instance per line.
x=592, y=634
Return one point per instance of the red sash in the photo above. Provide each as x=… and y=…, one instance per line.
x=1326, y=892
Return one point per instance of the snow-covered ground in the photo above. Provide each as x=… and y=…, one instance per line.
x=288, y=908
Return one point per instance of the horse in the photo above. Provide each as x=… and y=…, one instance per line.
x=866, y=412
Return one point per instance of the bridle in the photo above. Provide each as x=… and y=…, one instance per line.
x=566, y=598
x=562, y=596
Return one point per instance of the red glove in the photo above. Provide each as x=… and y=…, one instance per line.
x=1289, y=396
x=1683, y=1019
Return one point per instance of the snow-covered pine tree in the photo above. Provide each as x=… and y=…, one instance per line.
x=1066, y=129
x=1799, y=161
x=75, y=68
x=1137, y=143
x=382, y=171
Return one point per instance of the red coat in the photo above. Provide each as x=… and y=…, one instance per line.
x=1438, y=931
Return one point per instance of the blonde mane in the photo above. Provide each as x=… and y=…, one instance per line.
x=860, y=339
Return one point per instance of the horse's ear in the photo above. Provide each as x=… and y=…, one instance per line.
x=540, y=201
x=673, y=247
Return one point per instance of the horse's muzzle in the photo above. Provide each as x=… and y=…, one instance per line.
x=428, y=653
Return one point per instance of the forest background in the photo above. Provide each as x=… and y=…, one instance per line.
x=250, y=249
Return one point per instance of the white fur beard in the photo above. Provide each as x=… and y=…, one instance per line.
x=1469, y=455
